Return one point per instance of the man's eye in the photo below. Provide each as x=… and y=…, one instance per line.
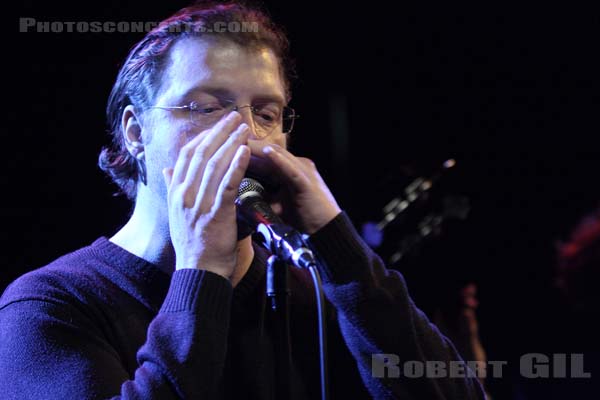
x=268, y=114
x=207, y=108
x=210, y=109
x=267, y=117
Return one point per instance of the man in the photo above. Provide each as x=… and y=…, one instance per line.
x=172, y=305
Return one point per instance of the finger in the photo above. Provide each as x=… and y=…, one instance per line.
x=228, y=189
x=288, y=166
x=304, y=164
x=204, y=145
x=217, y=167
x=205, y=152
x=185, y=156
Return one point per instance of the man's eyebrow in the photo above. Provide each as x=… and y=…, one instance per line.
x=226, y=94
x=216, y=92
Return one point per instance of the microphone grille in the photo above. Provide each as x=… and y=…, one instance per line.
x=250, y=185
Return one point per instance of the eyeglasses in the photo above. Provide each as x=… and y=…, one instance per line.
x=266, y=117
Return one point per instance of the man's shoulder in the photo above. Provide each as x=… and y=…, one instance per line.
x=60, y=280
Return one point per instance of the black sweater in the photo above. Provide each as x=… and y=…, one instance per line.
x=101, y=322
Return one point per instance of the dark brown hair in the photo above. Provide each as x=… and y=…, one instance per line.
x=140, y=75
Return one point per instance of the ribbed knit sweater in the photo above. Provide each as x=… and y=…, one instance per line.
x=103, y=323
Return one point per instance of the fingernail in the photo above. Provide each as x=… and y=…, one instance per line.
x=241, y=131
x=268, y=149
x=240, y=152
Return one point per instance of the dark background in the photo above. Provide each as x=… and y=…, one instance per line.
x=512, y=94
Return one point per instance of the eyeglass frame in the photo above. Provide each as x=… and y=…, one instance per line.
x=189, y=107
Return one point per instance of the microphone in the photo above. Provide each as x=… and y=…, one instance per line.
x=280, y=239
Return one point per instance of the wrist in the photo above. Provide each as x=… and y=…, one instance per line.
x=222, y=268
x=325, y=218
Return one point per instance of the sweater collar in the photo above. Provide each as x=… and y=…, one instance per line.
x=149, y=284
x=138, y=277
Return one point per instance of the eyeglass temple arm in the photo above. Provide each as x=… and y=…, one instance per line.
x=172, y=107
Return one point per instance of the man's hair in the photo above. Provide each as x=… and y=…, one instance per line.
x=139, y=78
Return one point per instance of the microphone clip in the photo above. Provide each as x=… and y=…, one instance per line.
x=286, y=243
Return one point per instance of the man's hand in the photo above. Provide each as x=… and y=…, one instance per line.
x=305, y=200
x=202, y=188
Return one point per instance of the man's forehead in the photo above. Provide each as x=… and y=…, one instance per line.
x=197, y=63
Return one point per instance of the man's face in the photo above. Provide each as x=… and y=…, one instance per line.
x=205, y=71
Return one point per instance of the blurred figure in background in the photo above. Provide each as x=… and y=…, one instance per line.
x=569, y=316
x=578, y=266
x=578, y=281
x=458, y=320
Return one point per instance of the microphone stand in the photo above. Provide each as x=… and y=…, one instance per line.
x=288, y=247
x=278, y=293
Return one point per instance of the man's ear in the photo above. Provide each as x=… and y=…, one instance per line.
x=132, y=132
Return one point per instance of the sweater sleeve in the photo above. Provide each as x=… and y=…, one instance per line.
x=382, y=327
x=50, y=348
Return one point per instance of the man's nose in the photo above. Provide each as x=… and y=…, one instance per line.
x=248, y=118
